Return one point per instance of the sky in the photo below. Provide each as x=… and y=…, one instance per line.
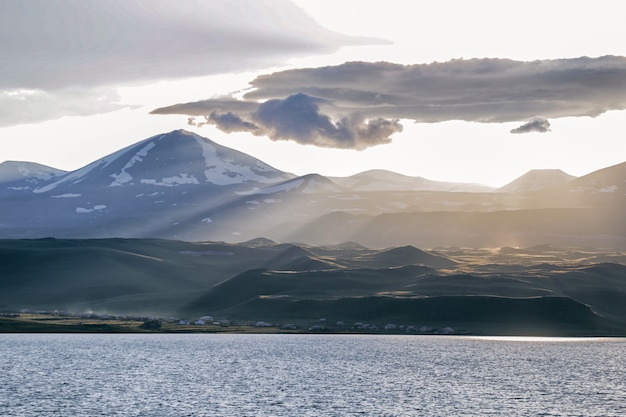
x=479, y=91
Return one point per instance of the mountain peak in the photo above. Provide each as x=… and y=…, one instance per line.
x=384, y=180
x=609, y=180
x=172, y=159
x=20, y=170
x=536, y=180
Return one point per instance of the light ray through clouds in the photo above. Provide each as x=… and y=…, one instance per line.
x=79, y=78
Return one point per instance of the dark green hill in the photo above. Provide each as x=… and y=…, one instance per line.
x=115, y=275
x=407, y=255
x=483, y=315
x=517, y=293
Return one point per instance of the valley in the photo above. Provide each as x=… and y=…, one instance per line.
x=179, y=226
x=537, y=290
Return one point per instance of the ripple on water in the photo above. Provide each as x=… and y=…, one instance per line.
x=308, y=375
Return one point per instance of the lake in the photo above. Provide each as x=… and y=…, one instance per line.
x=309, y=375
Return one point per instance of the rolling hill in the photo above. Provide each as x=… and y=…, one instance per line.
x=483, y=292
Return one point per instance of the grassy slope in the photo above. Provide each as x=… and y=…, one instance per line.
x=170, y=278
x=118, y=275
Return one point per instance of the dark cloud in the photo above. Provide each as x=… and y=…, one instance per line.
x=52, y=46
x=536, y=124
x=477, y=90
x=299, y=117
x=230, y=122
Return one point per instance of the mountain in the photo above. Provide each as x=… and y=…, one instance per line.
x=535, y=180
x=602, y=188
x=307, y=184
x=171, y=181
x=605, y=186
x=173, y=159
x=408, y=255
x=602, y=227
x=607, y=180
x=19, y=175
x=179, y=185
x=383, y=180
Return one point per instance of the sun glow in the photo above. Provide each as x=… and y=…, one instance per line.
x=536, y=339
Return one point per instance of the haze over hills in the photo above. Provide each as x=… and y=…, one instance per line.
x=117, y=236
x=179, y=185
x=383, y=180
x=537, y=290
x=537, y=179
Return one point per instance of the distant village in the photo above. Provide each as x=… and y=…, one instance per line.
x=208, y=324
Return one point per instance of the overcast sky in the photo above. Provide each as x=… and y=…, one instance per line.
x=478, y=91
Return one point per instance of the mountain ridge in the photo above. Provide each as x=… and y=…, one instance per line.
x=537, y=179
x=179, y=185
x=481, y=291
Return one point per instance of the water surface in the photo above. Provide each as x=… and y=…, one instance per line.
x=309, y=375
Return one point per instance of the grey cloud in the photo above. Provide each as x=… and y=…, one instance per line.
x=299, y=117
x=536, y=124
x=311, y=120
x=66, y=44
x=33, y=106
x=230, y=122
x=477, y=90
x=483, y=90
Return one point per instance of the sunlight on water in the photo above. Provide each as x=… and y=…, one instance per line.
x=538, y=339
x=308, y=375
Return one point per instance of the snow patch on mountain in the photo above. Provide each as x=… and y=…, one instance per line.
x=608, y=189
x=98, y=207
x=172, y=181
x=224, y=170
x=75, y=176
x=313, y=186
x=286, y=186
x=124, y=177
x=308, y=184
x=30, y=171
x=67, y=195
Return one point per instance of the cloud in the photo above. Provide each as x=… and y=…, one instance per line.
x=476, y=90
x=54, y=46
x=305, y=119
x=536, y=124
x=22, y=106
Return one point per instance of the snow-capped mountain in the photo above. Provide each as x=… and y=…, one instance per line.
x=172, y=180
x=182, y=186
x=169, y=160
x=20, y=175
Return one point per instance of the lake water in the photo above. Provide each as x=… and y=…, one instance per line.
x=309, y=375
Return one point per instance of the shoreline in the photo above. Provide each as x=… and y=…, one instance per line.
x=47, y=323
